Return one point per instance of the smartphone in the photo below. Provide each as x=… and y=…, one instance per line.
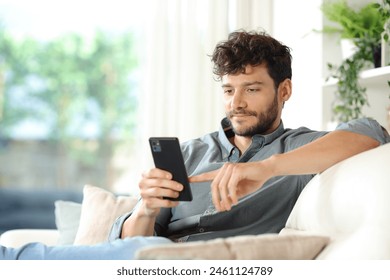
x=167, y=156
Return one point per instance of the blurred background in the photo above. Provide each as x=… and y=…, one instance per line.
x=84, y=84
x=69, y=73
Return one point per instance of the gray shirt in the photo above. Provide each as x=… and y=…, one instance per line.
x=264, y=211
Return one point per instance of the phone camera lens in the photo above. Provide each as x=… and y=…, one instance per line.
x=156, y=146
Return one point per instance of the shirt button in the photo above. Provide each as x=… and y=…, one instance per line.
x=201, y=230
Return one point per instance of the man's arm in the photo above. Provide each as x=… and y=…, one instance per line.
x=235, y=180
x=319, y=155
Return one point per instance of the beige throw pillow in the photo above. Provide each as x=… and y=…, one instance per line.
x=99, y=210
x=255, y=247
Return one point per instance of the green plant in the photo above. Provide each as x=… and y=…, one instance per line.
x=350, y=97
x=364, y=27
x=351, y=24
x=384, y=11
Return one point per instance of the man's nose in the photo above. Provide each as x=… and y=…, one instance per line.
x=238, y=100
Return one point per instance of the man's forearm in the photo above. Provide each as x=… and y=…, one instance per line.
x=322, y=153
x=138, y=225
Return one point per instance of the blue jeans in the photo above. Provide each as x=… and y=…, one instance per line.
x=120, y=249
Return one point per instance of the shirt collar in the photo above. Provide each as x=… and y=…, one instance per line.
x=226, y=132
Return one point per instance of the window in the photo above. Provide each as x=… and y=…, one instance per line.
x=68, y=91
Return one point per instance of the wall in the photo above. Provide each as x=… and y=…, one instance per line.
x=294, y=23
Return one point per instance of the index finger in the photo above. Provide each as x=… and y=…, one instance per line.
x=204, y=177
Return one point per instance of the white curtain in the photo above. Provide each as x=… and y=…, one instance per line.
x=179, y=96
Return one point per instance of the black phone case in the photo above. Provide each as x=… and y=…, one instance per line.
x=167, y=156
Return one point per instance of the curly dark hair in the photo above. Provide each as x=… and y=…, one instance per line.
x=252, y=48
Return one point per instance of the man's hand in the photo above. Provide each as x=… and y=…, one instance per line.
x=155, y=186
x=233, y=181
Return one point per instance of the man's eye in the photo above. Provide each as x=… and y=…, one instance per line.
x=227, y=91
x=253, y=89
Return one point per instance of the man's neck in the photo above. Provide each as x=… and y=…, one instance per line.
x=241, y=142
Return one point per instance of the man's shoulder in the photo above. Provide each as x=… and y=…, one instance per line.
x=294, y=138
x=302, y=131
x=366, y=126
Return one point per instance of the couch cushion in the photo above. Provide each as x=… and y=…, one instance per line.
x=67, y=215
x=264, y=247
x=350, y=203
x=100, y=208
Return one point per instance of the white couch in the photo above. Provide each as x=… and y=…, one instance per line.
x=349, y=203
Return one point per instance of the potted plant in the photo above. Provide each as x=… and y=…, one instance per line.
x=355, y=25
x=364, y=28
x=384, y=10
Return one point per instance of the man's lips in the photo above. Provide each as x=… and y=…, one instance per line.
x=241, y=115
x=241, y=118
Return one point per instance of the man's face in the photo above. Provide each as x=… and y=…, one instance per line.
x=252, y=104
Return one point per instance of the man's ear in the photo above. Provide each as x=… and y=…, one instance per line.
x=285, y=90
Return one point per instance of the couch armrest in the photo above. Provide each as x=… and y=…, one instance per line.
x=349, y=202
x=19, y=237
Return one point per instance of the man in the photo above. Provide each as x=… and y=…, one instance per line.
x=257, y=169
x=246, y=177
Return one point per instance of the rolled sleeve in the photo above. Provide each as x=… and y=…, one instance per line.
x=368, y=127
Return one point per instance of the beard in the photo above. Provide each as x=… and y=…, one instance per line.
x=265, y=120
